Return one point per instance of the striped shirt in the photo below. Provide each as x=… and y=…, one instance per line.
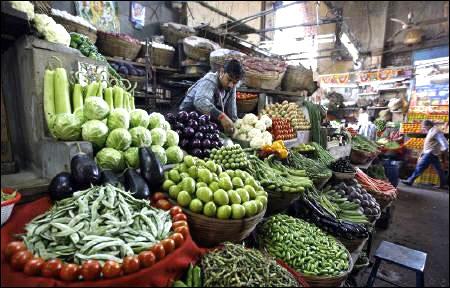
x=206, y=97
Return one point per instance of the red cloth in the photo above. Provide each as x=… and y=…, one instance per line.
x=162, y=273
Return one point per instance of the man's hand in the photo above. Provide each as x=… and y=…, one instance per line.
x=227, y=124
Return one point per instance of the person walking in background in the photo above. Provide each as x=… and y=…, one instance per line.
x=435, y=144
x=368, y=129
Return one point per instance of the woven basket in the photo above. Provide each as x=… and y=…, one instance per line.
x=247, y=106
x=196, y=53
x=351, y=245
x=160, y=57
x=320, y=182
x=114, y=46
x=75, y=27
x=297, y=78
x=43, y=7
x=8, y=206
x=361, y=157
x=327, y=281
x=279, y=201
x=209, y=232
x=173, y=35
x=344, y=176
x=383, y=203
x=263, y=81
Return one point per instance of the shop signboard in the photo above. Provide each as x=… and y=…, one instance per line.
x=103, y=15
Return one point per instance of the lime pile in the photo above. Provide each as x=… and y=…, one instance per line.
x=231, y=157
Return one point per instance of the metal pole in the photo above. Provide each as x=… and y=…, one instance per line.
x=214, y=9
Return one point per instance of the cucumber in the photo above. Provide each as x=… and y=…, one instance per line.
x=109, y=98
x=49, y=96
x=62, y=94
x=77, y=96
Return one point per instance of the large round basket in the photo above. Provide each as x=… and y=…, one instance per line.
x=383, y=202
x=353, y=244
x=114, y=46
x=297, y=78
x=344, y=176
x=160, y=57
x=279, y=201
x=209, y=232
x=329, y=281
x=75, y=27
x=361, y=157
x=173, y=32
x=246, y=106
x=270, y=81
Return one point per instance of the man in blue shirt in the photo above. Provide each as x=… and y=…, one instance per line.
x=215, y=95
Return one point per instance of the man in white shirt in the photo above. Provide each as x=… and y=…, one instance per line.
x=435, y=144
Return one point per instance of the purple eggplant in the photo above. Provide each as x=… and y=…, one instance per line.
x=206, y=153
x=188, y=132
x=197, y=152
x=196, y=143
x=192, y=123
x=179, y=132
x=203, y=120
x=215, y=126
x=203, y=129
x=206, y=143
x=199, y=135
x=193, y=115
x=179, y=126
x=215, y=137
x=184, y=143
x=215, y=144
x=182, y=116
x=208, y=136
x=171, y=118
x=211, y=128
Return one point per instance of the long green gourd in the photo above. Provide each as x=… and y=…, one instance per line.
x=62, y=94
x=77, y=96
x=100, y=90
x=49, y=96
x=109, y=97
x=126, y=100
x=118, y=97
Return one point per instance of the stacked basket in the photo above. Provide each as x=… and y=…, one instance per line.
x=173, y=32
x=111, y=45
x=264, y=73
x=198, y=48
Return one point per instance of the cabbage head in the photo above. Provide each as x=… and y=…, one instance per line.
x=79, y=113
x=139, y=117
x=118, y=118
x=165, y=125
x=140, y=137
x=119, y=139
x=172, y=138
x=95, y=108
x=158, y=136
x=110, y=159
x=160, y=153
x=174, y=155
x=155, y=120
x=132, y=157
x=67, y=127
x=95, y=131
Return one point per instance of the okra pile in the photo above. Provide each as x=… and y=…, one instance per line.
x=303, y=246
x=236, y=266
x=101, y=223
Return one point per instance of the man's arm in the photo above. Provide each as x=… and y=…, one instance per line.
x=442, y=141
x=231, y=106
x=204, y=99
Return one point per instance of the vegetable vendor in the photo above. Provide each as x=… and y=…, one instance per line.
x=215, y=95
x=435, y=144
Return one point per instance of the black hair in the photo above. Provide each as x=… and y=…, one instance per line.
x=428, y=123
x=234, y=69
x=371, y=118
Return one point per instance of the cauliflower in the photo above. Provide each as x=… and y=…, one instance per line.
x=261, y=125
x=238, y=123
x=254, y=133
x=245, y=128
x=52, y=32
x=250, y=119
x=267, y=121
x=267, y=137
x=25, y=6
x=256, y=143
x=242, y=137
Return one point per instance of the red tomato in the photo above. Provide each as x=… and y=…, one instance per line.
x=184, y=230
x=178, y=224
x=179, y=217
x=169, y=245
x=14, y=247
x=163, y=204
x=51, y=268
x=111, y=269
x=70, y=272
x=175, y=210
x=90, y=270
x=157, y=196
x=21, y=258
x=147, y=258
x=178, y=238
x=130, y=264
x=34, y=266
x=158, y=250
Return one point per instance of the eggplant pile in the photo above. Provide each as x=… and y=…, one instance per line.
x=342, y=165
x=198, y=134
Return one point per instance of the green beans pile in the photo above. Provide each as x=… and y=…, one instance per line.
x=322, y=155
x=303, y=246
x=314, y=169
x=102, y=223
x=236, y=266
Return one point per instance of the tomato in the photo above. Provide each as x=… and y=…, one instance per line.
x=157, y=196
x=51, y=268
x=163, y=204
x=34, y=267
x=130, y=264
x=90, y=270
x=21, y=258
x=14, y=247
x=175, y=210
x=158, y=250
x=70, y=272
x=147, y=258
x=169, y=245
x=184, y=230
x=111, y=269
x=178, y=238
x=178, y=224
x=179, y=217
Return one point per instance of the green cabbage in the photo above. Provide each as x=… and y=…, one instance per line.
x=139, y=117
x=174, y=155
x=95, y=131
x=132, y=157
x=79, y=113
x=172, y=138
x=119, y=118
x=155, y=120
x=160, y=153
x=110, y=159
x=119, y=139
x=95, y=108
x=67, y=127
x=140, y=137
x=165, y=125
x=158, y=136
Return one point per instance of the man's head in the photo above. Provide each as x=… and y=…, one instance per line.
x=427, y=125
x=230, y=74
x=372, y=119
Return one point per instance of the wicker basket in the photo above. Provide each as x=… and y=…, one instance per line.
x=43, y=7
x=247, y=106
x=196, y=52
x=279, y=201
x=160, y=57
x=344, y=176
x=263, y=81
x=383, y=203
x=173, y=35
x=361, y=157
x=8, y=206
x=114, y=46
x=320, y=182
x=209, y=232
x=75, y=27
x=297, y=78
